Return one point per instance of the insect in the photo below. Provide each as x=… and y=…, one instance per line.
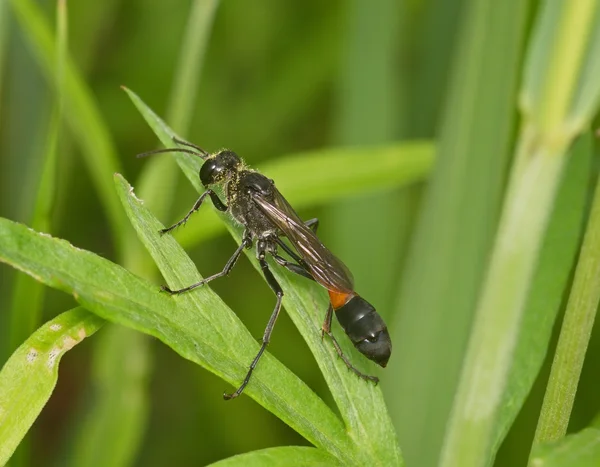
x=253, y=200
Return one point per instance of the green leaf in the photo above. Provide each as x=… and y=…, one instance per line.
x=298, y=456
x=361, y=405
x=199, y=326
x=578, y=450
x=29, y=376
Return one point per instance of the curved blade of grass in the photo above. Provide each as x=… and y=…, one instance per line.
x=298, y=456
x=29, y=376
x=314, y=177
x=81, y=114
x=199, y=327
x=361, y=405
x=577, y=450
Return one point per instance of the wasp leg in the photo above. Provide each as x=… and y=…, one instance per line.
x=215, y=199
x=293, y=255
x=295, y=268
x=270, y=325
x=246, y=243
x=326, y=329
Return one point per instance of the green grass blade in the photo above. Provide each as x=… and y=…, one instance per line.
x=551, y=278
x=574, y=336
x=81, y=113
x=281, y=456
x=199, y=327
x=447, y=261
x=191, y=61
x=578, y=450
x=361, y=405
x=29, y=376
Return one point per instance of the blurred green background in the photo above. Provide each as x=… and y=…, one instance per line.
x=277, y=78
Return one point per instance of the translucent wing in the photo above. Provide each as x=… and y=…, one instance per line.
x=327, y=270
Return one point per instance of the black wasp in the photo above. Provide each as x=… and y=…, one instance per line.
x=254, y=202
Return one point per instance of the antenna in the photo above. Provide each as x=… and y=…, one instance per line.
x=198, y=150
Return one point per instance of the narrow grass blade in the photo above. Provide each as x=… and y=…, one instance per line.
x=81, y=113
x=574, y=336
x=280, y=456
x=29, y=376
x=361, y=405
x=578, y=450
x=198, y=327
x=446, y=265
x=191, y=62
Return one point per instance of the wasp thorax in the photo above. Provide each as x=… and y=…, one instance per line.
x=219, y=167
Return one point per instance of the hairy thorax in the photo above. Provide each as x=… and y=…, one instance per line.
x=244, y=209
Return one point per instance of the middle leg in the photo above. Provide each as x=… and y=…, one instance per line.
x=275, y=287
x=246, y=243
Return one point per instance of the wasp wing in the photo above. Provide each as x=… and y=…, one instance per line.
x=324, y=266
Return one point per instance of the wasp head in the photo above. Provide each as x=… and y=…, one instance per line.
x=219, y=167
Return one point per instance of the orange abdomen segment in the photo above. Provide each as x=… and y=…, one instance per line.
x=339, y=299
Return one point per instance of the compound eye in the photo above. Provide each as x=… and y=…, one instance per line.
x=209, y=172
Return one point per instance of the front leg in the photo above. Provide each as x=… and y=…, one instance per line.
x=246, y=243
x=215, y=199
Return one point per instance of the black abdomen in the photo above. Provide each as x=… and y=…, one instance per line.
x=366, y=329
